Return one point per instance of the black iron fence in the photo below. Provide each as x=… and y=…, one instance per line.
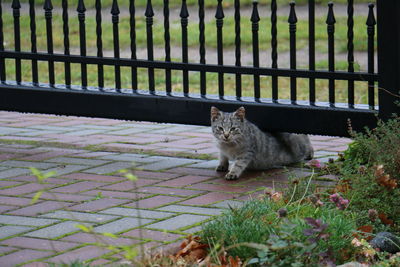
x=146, y=102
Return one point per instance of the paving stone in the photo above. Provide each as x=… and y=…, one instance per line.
x=168, y=163
x=67, y=160
x=35, y=264
x=45, y=155
x=98, y=238
x=9, y=130
x=77, y=187
x=13, y=172
x=150, y=214
x=38, y=208
x=191, y=209
x=65, y=169
x=129, y=131
x=51, y=128
x=25, y=221
x=153, y=235
x=194, y=230
x=178, y=222
x=94, y=177
x=4, y=250
x=10, y=230
x=137, y=158
x=84, y=132
x=22, y=189
x=18, y=201
x=21, y=256
x=79, y=216
x=8, y=183
x=116, y=194
x=36, y=243
x=209, y=164
x=129, y=185
x=110, y=168
x=54, y=231
x=4, y=208
x=28, y=164
x=80, y=254
x=99, y=204
x=228, y=204
x=73, y=197
x=208, y=198
x=196, y=171
x=184, y=181
x=169, y=191
x=153, y=202
x=98, y=127
x=121, y=225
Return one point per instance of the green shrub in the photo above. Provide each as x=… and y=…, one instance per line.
x=284, y=238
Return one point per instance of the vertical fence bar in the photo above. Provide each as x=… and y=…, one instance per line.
x=67, y=65
x=237, y=49
x=202, y=48
x=255, y=18
x=99, y=44
x=350, y=51
x=388, y=57
x=48, y=7
x=115, y=20
x=132, y=33
x=167, y=39
x=82, y=38
x=149, y=13
x=292, y=30
x=32, y=16
x=311, y=45
x=16, y=6
x=330, y=21
x=274, y=49
x=2, y=62
x=371, y=22
x=219, y=15
x=184, y=14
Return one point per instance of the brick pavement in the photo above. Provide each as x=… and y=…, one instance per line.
x=177, y=190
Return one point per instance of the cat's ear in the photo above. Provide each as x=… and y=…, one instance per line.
x=214, y=113
x=240, y=113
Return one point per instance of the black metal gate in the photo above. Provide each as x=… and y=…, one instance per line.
x=61, y=95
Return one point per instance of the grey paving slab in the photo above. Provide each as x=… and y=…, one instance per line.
x=139, y=158
x=190, y=209
x=209, y=164
x=178, y=222
x=10, y=130
x=82, y=161
x=25, y=221
x=98, y=127
x=55, y=230
x=121, y=225
x=10, y=230
x=137, y=213
x=128, y=131
x=65, y=169
x=27, y=164
x=228, y=203
x=80, y=216
x=109, y=168
x=143, y=125
x=36, y=133
x=168, y=163
x=171, y=130
x=193, y=230
x=53, y=128
x=84, y=132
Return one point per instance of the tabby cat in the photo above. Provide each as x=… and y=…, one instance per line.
x=244, y=143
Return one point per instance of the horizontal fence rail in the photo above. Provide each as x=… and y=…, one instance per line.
x=302, y=109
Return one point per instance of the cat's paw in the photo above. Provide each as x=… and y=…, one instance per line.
x=222, y=168
x=231, y=176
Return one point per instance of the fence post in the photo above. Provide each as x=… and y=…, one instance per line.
x=388, y=57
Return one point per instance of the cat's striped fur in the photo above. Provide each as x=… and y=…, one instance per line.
x=244, y=143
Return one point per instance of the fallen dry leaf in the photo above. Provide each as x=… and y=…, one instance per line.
x=384, y=219
x=365, y=232
x=384, y=179
x=191, y=250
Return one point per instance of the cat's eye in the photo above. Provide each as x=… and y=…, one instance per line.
x=220, y=128
x=233, y=129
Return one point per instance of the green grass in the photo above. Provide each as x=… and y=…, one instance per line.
x=174, y=3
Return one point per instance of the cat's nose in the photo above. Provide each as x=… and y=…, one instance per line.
x=226, y=135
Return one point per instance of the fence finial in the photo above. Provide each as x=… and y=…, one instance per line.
x=115, y=8
x=149, y=9
x=81, y=7
x=371, y=17
x=16, y=4
x=184, y=11
x=292, y=15
x=47, y=5
x=254, y=14
x=330, y=20
x=219, y=14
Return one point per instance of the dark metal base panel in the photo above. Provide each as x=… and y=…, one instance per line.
x=168, y=109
